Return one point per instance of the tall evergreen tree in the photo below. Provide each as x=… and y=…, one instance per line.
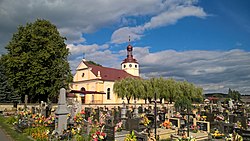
x=3, y=83
x=36, y=61
x=6, y=92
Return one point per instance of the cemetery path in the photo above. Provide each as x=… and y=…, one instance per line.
x=4, y=136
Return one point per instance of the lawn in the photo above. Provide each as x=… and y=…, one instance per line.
x=8, y=128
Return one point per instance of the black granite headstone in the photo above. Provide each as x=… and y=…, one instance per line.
x=110, y=131
x=162, y=117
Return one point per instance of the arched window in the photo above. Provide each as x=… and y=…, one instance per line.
x=83, y=89
x=108, y=93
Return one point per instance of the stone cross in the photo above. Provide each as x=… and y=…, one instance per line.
x=62, y=112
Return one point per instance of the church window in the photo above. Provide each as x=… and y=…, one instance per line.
x=130, y=65
x=108, y=93
x=135, y=66
x=83, y=74
x=124, y=66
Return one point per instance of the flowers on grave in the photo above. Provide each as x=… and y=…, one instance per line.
x=177, y=115
x=38, y=133
x=145, y=121
x=219, y=117
x=78, y=118
x=131, y=137
x=166, y=124
x=195, y=128
x=217, y=134
x=237, y=125
x=98, y=136
x=118, y=127
x=229, y=137
x=204, y=118
x=82, y=112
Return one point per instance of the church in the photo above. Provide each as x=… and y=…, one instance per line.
x=97, y=81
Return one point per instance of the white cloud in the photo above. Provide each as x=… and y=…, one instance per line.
x=216, y=71
x=122, y=34
x=73, y=17
x=169, y=16
x=173, y=15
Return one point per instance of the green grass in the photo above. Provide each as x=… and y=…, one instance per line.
x=8, y=128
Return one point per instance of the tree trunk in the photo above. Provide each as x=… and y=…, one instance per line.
x=170, y=100
x=128, y=99
x=150, y=100
x=145, y=101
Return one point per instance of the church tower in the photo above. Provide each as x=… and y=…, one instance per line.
x=130, y=65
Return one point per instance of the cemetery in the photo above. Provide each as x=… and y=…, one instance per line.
x=70, y=120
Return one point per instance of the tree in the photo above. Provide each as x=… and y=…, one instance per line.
x=6, y=91
x=173, y=89
x=123, y=88
x=148, y=91
x=235, y=95
x=36, y=61
x=3, y=83
x=94, y=63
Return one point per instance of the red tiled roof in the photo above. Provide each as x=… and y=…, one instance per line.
x=110, y=74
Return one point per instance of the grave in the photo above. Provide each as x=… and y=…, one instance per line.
x=176, y=122
x=204, y=125
x=141, y=136
x=132, y=124
x=110, y=132
x=61, y=112
x=162, y=117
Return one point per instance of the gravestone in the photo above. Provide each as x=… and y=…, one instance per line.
x=87, y=112
x=86, y=127
x=151, y=117
x=175, y=122
x=33, y=110
x=135, y=114
x=132, y=124
x=140, y=110
x=204, y=126
x=162, y=116
x=129, y=114
x=245, y=135
x=47, y=112
x=110, y=132
x=61, y=112
x=231, y=118
x=25, y=101
x=110, y=121
x=43, y=108
x=116, y=116
x=210, y=117
x=97, y=114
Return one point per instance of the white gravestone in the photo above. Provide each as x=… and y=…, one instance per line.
x=62, y=112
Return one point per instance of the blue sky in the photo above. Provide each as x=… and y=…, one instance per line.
x=205, y=42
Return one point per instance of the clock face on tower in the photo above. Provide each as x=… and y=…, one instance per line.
x=130, y=65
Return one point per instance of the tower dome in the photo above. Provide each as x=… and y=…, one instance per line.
x=130, y=64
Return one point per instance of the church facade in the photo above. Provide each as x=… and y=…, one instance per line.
x=99, y=80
